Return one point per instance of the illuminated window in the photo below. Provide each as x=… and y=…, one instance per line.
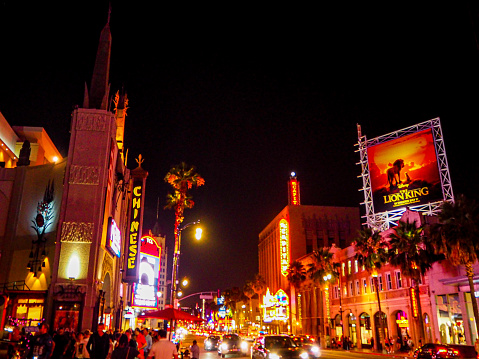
x=398, y=279
x=343, y=268
x=345, y=291
x=380, y=283
x=349, y=267
x=365, y=286
x=356, y=266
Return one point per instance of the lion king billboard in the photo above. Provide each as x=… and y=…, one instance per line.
x=404, y=172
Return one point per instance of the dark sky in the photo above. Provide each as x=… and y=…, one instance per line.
x=247, y=94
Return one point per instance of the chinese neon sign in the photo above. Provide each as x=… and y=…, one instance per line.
x=284, y=246
x=414, y=302
x=275, y=307
x=133, y=244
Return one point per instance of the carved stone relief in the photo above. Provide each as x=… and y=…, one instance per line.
x=88, y=175
x=78, y=232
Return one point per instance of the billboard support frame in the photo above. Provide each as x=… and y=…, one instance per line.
x=384, y=220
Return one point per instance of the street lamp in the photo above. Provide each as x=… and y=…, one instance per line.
x=176, y=261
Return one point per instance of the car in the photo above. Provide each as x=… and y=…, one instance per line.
x=464, y=351
x=211, y=342
x=433, y=351
x=277, y=347
x=230, y=344
x=308, y=344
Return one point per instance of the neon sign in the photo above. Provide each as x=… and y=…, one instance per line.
x=133, y=245
x=275, y=307
x=414, y=302
x=113, y=238
x=294, y=192
x=284, y=246
x=145, y=291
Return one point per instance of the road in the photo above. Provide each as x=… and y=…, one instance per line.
x=326, y=354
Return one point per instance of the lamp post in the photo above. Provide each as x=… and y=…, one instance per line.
x=176, y=261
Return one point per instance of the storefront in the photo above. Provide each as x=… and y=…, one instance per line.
x=24, y=309
x=365, y=332
x=450, y=319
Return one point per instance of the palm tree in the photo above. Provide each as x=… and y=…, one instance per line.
x=324, y=270
x=371, y=252
x=248, y=291
x=182, y=178
x=457, y=237
x=409, y=251
x=296, y=276
x=259, y=287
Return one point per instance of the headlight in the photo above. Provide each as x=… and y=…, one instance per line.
x=207, y=342
x=274, y=356
x=244, y=346
x=315, y=349
x=224, y=346
x=304, y=355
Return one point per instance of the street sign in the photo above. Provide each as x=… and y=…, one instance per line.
x=206, y=296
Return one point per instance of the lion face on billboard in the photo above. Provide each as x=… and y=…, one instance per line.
x=394, y=173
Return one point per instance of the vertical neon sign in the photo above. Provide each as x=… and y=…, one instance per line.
x=284, y=246
x=133, y=241
x=293, y=190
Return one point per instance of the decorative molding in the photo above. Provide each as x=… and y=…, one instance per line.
x=92, y=122
x=88, y=175
x=77, y=232
x=107, y=266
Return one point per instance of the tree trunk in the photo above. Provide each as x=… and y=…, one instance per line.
x=419, y=309
x=470, y=274
x=380, y=321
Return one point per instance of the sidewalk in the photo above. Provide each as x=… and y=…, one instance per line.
x=372, y=352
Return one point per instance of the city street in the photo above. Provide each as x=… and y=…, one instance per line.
x=328, y=353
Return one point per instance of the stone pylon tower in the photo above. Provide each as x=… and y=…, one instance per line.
x=86, y=276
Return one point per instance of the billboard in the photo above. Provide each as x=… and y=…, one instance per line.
x=145, y=291
x=113, y=238
x=404, y=172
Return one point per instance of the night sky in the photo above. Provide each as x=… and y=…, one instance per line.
x=247, y=94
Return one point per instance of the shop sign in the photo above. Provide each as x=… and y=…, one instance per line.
x=414, y=302
x=133, y=242
x=284, y=246
x=402, y=323
x=113, y=238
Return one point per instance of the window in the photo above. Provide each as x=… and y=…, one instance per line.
x=389, y=281
x=356, y=266
x=345, y=291
x=398, y=279
x=358, y=288
x=365, y=286
x=342, y=268
x=349, y=267
x=373, y=287
x=380, y=283
x=351, y=292
x=335, y=292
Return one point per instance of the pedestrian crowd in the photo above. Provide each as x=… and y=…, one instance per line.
x=139, y=343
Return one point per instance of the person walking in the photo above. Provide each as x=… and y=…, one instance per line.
x=43, y=344
x=195, y=350
x=141, y=342
x=149, y=341
x=124, y=350
x=163, y=348
x=99, y=343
